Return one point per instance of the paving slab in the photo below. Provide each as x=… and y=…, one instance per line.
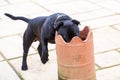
x=3, y=2
x=118, y=49
x=1, y=58
x=107, y=59
x=22, y=9
x=106, y=38
x=107, y=4
x=11, y=27
x=40, y=14
x=117, y=27
x=95, y=1
x=18, y=1
x=37, y=70
x=96, y=67
x=11, y=46
x=112, y=73
x=102, y=22
x=95, y=14
x=51, y=2
x=68, y=8
x=7, y=73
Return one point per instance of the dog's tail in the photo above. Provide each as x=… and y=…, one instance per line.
x=17, y=18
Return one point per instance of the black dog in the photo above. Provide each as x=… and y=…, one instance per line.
x=43, y=29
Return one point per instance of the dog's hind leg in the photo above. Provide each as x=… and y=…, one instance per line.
x=27, y=41
x=40, y=49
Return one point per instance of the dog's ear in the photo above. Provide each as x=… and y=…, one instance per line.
x=76, y=22
x=57, y=25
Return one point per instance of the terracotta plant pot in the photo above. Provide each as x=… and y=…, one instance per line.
x=76, y=59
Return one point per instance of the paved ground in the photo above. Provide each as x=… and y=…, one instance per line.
x=103, y=16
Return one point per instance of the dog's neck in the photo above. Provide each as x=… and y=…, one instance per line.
x=58, y=16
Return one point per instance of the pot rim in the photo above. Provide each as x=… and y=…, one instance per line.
x=85, y=33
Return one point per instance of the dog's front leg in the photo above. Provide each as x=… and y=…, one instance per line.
x=44, y=56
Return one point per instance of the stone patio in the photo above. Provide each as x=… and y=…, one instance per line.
x=103, y=17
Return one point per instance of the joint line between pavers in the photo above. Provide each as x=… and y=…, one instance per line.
x=98, y=17
x=109, y=67
x=107, y=51
x=10, y=35
x=8, y=1
x=112, y=26
x=5, y=59
x=102, y=6
x=97, y=66
x=41, y=6
x=118, y=50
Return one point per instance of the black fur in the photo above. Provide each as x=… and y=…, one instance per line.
x=43, y=29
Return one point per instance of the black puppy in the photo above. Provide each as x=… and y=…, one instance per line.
x=43, y=29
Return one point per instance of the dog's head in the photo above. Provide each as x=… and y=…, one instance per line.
x=68, y=29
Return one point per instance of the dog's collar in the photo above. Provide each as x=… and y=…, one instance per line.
x=58, y=16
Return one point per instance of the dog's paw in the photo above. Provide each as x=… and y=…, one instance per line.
x=24, y=67
x=44, y=60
